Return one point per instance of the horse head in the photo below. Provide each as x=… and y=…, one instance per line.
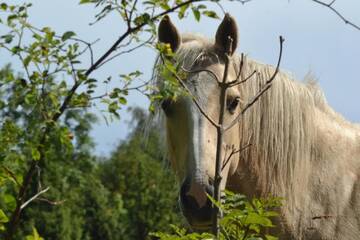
x=191, y=137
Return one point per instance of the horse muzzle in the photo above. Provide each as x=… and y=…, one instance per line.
x=195, y=205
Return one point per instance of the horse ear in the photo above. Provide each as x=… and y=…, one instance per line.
x=226, y=29
x=167, y=33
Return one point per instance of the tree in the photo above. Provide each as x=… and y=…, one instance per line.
x=136, y=170
x=50, y=87
x=77, y=205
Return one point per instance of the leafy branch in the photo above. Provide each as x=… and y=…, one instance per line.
x=49, y=41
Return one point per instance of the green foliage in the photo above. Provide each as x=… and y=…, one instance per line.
x=243, y=219
x=181, y=234
x=77, y=206
x=35, y=236
x=170, y=72
x=136, y=171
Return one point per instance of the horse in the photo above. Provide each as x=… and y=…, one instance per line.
x=300, y=149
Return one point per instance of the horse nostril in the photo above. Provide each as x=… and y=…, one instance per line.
x=195, y=205
x=193, y=195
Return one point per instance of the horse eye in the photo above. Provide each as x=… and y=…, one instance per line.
x=166, y=106
x=232, y=104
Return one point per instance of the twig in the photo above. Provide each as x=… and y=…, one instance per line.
x=201, y=70
x=244, y=1
x=126, y=51
x=138, y=88
x=196, y=102
x=54, y=203
x=132, y=10
x=34, y=197
x=243, y=81
x=240, y=70
x=262, y=90
x=330, y=6
x=232, y=154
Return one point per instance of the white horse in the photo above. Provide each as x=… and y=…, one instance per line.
x=301, y=149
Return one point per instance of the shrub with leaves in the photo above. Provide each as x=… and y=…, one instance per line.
x=243, y=219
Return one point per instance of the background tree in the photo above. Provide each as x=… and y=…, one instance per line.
x=123, y=197
x=55, y=82
x=137, y=171
x=77, y=205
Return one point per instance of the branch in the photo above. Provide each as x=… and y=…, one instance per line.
x=216, y=215
x=137, y=88
x=330, y=6
x=196, y=102
x=112, y=49
x=34, y=197
x=266, y=87
x=54, y=203
x=127, y=51
x=201, y=70
x=233, y=151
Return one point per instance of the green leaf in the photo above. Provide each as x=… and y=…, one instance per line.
x=8, y=38
x=3, y=217
x=35, y=235
x=196, y=13
x=269, y=237
x=122, y=100
x=142, y=19
x=3, y=6
x=27, y=60
x=254, y=218
x=210, y=14
x=182, y=11
x=86, y=1
x=35, y=154
x=67, y=35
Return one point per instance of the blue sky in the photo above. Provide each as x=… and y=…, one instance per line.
x=315, y=40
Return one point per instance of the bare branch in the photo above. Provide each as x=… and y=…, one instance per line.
x=201, y=70
x=34, y=197
x=127, y=51
x=240, y=70
x=233, y=151
x=330, y=6
x=216, y=215
x=243, y=81
x=196, y=102
x=88, y=46
x=262, y=90
x=54, y=203
x=132, y=10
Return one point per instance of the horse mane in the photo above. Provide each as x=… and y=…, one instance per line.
x=280, y=127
